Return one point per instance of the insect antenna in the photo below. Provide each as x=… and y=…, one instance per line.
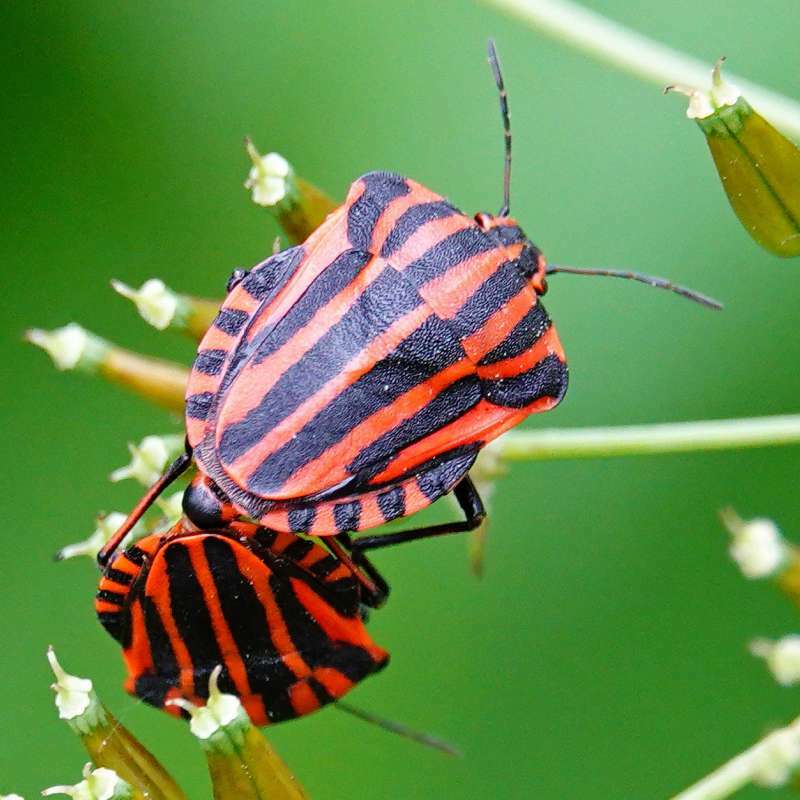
x=650, y=280
x=494, y=63
x=177, y=468
x=401, y=730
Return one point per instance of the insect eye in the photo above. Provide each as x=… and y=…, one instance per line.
x=237, y=276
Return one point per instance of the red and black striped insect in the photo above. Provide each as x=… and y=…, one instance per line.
x=279, y=613
x=353, y=379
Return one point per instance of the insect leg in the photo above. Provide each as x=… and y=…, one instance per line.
x=470, y=502
x=372, y=597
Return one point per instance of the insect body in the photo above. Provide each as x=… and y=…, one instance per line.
x=277, y=612
x=353, y=379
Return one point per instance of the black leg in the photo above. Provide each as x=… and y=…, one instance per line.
x=470, y=502
x=377, y=594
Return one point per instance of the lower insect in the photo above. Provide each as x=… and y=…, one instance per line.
x=279, y=614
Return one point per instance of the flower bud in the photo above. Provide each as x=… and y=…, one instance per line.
x=149, y=459
x=241, y=762
x=782, y=657
x=758, y=165
x=108, y=743
x=97, y=784
x=299, y=207
x=777, y=759
x=72, y=347
x=11, y=797
x=757, y=547
x=107, y=524
x=163, y=308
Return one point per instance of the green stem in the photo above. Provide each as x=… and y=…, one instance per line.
x=674, y=437
x=637, y=54
x=740, y=770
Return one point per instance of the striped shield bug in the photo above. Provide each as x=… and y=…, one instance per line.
x=352, y=380
x=279, y=613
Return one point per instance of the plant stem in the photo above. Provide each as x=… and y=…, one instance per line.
x=674, y=437
x=741, y=769
x=639, y=55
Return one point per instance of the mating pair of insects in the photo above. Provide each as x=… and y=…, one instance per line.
x=346, y=382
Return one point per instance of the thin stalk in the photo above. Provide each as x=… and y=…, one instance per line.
x=639, y=55
x=744, y=768
x=673, y=437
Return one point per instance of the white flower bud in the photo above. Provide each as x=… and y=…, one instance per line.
x=106, y=526
x=73, y=694
x=777, y=759
x=782, y=657
x=757, y=547
x=156, y=303
x=11, y=797
x=98, y=784
x=148, y=460
x=220, y=710
x=70, y=347
x=171, y=507
x=270, y=177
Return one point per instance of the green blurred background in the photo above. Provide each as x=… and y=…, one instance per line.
x=604, y=652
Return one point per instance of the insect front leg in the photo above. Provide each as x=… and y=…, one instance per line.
x=375, y=595
x=468, y=499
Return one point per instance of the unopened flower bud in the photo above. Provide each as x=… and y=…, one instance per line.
x=149, y=458
x=241, y=762
x=157, y=303
x=164, y=308
x=757, y=547
x=299, y=207
x=11, y=797
x=97, y=784
x=70, y=347
x=782, y=657
x=107, y=524
x=74, y=696
x=171, y=507
x=777, y=759
x=759, y=167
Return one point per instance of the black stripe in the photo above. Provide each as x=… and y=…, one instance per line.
x=316, y=647
x=269, y=276
x=192, y=619
x=522, y=336
x=198, y=405
x=324, y=567
x=448, y=252
x=118, y=576
x=380, y=188
x=448, y=405
x=382, y=303
x=110, y=597
x=347, y=516
x=266, y=538
x=116, y=623
x=153, y=687
x=230, y=320
x=267, y=674
x=301, y=519
x=135, y=555
x=504, y=283
x=440, y=479
x=339, y=274
x=392, y=503
x=411, y=220
x=298, y=549
x=320, y=692
x=210, y=362
x=428, y=350
x=547, y=379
